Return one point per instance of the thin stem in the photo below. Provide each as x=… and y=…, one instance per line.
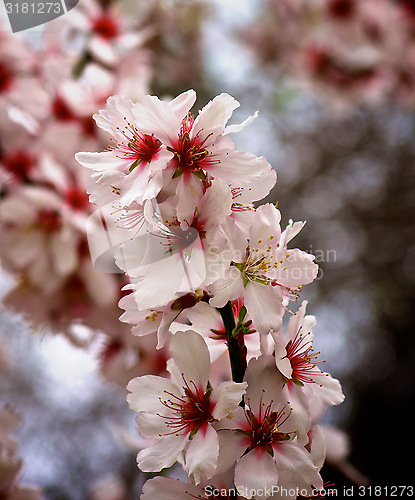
x=236, y=345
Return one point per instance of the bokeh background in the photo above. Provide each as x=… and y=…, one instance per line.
x=336, y=121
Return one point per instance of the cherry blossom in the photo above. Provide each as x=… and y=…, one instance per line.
x=261, y=437
x=133, y=168
x=108, y=32
x=263, y=270
x=43, y=236
x=297, y=362
x=160, y=319
x=201, y=145
x=179, y=412
x=187, y=245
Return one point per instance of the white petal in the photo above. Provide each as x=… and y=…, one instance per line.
x=265, y=223
x=327, y=389
x=213, y=117
x=229, y=288
x=280, y=352
x=232, y=446
x=264, y=382
x=216, y=203
x=191, y=356
x=337, y=444
x=183, y=103
x=297, y=268
x=227, y=396
x=163, y=488
x=163, y=454
x=238, y=127
x=318, y=446
x=255, y=472
x=238, y=164
x=295, y=459
x=106, y=160
x=151, y=426
x=264, y=305
x=153, y=116
x=155, y=291
x=148, y=391
x=299, y=420
x=202, y=454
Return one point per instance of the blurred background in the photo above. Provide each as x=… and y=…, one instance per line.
x=334, y=83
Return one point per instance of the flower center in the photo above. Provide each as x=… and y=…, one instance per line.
x=191, y=154
x=49, y=221
x=77, y=199
x=263, y=431
x=138, y=147
x=105, y=27
x=191, y=411
x=61, y=111
x=257, y=263
x=177, y=239
x=19, y=164
x=302, y=358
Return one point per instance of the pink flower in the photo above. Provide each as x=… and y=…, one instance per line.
x=39, y=236
x=201, y=145
x=297, y=362
x=132, y=169
x=108, y=33
x=296, y=359
x=263, y=270
x=179, y=412
x=261, y=437
x=159, y=319
x=185, y=246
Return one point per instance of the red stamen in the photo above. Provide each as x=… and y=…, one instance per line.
x=302, y=358
x=191, y=411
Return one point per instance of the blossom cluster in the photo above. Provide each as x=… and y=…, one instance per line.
x=210, y=273
x=49, y=90
x=348, y=51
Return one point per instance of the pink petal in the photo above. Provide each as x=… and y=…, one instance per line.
x=255, y=474
x=191, y=356
x=202, y=454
